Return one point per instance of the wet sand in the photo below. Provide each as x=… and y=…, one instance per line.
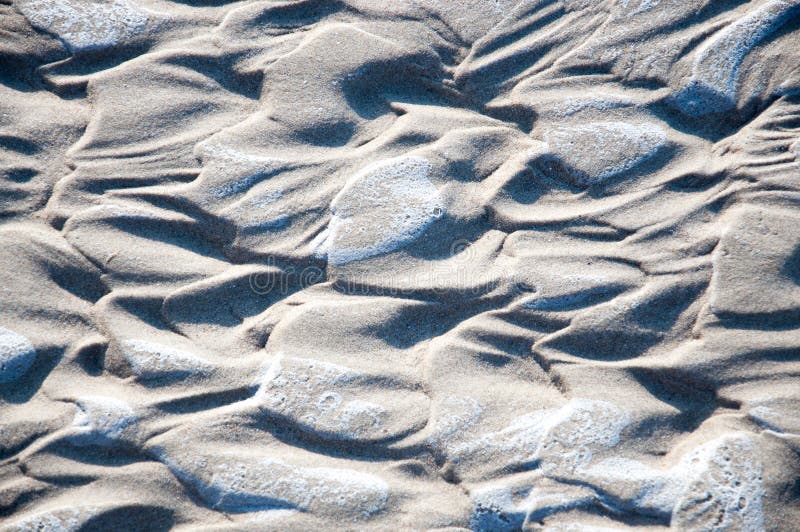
x=400, y=265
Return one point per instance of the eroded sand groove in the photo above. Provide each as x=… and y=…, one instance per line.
x=400, y=265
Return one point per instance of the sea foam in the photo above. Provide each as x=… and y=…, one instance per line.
x=383, y=207
x=16, y=355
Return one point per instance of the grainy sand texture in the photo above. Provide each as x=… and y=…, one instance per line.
x=389, y=265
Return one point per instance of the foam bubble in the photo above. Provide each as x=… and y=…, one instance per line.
x=16, y=355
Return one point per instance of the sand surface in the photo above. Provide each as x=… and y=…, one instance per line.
x=400, y=265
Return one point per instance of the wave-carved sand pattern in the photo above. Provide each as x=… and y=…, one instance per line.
x=400, y=265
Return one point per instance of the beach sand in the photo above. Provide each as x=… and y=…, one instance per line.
x=400, y=265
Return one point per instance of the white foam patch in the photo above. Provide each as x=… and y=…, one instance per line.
x=496, y=508
x=101, y=420
x=562, y=440
x=336, y=401
x=451, y=418
x=515, y=444
x=712, y=86
x=16, y=355
x=500, y=507
x=383, y=207
x=548, y=497
x=234, y=483
x=86, y=24
x=153, y=360
x=260, y=211
x=723, y=488
x=233, y=172
x=715, y=487
x=593, y=152
x=635, y=7
x=648, y=490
